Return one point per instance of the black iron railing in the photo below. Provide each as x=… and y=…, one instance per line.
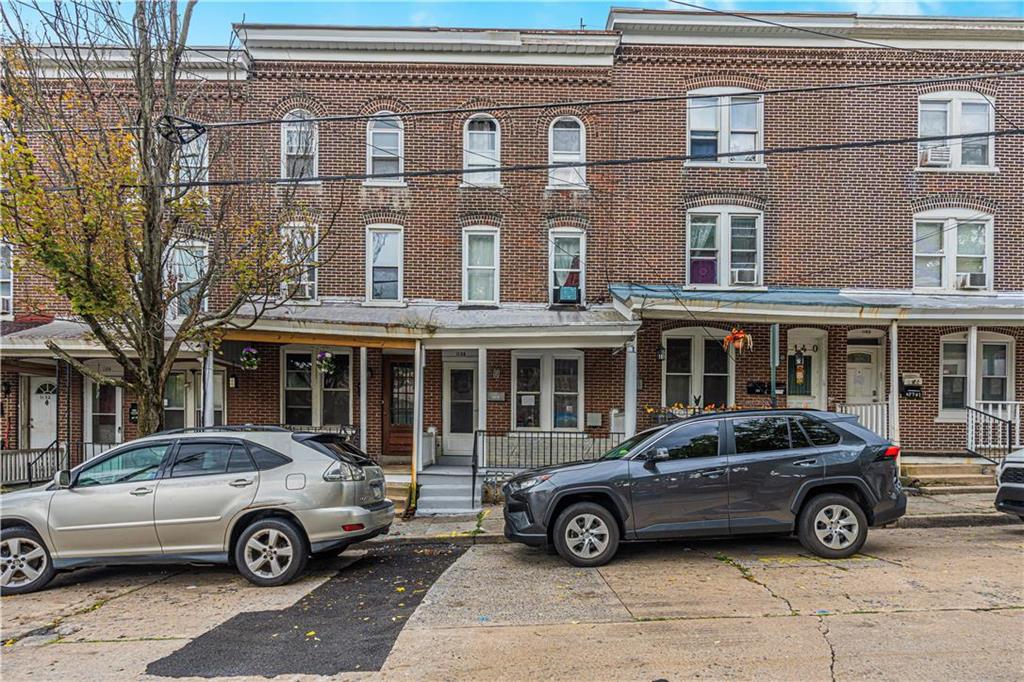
x=989, y=436
x=533, y=449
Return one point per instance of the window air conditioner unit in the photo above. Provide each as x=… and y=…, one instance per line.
x=936, y=156
x=971, y=280
x=744, y=276
x=300, y=291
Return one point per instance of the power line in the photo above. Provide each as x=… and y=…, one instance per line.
x=569, y=104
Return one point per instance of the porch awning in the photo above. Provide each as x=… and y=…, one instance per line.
x=28, y=339
x=839, y=306
x=442, y=325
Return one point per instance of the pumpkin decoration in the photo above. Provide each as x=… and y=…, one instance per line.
x=739, y=340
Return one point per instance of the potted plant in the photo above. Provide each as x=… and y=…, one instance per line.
x=325, y=362
x=738, y=340
x=249, y=358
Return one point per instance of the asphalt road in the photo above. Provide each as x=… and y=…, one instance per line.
x=925, y=604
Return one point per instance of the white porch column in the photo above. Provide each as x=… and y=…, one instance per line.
x=481, y=389
x=362, y=398
x=629, y=398
x=894, y=384
x=208, y=388
x=417, y=412
x=972, y=366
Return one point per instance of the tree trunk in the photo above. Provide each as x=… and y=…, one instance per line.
x=151, y=412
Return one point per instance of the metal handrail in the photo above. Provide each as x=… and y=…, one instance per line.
x=44, y=453
x=992, y=452
x=531, y=449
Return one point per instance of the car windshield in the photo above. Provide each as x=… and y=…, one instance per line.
x=623, y=448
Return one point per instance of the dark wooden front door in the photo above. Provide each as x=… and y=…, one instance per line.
x=399, y=394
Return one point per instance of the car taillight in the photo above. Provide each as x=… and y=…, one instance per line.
x=349, y=527
x=892, y=451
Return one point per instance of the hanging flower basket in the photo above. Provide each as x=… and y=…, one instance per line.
x=249, y=358
x=325, y=362
x=738, y=340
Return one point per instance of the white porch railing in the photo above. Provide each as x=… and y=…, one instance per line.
x=873, y=416
x=987, y=425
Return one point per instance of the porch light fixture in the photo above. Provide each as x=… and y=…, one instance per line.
x=660, y=353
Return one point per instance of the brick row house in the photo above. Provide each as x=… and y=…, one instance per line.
x=499, y=318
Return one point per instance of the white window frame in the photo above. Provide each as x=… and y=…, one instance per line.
x=400, y=231
x=566, y=157
x=294, y=118
x=697, y=336
x=951, y=218
x=7, y=302
x=984, y=339
x=371, y=147
x=547, y=388
x=311, y=275
x=316, y=380
x=472, y=158
x=466, y=267
x=724, y=95
x=174, y=272
x=955, y=100
x=723, y=245
x=567, y=232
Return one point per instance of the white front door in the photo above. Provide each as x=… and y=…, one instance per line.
x=459, y=407
x=42, y=411
x=862, y=375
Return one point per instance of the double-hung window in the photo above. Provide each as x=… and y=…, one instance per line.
x=384, y=268
x=724, y=246
x=299, y=145
x=385, y=150
x=480, y=249
x=724, y=124
x=193, y=161
x=299, y=241
x=6, y=279
x=993, y=371
x=945, y=114
x=482, y=151
x=188, y=268
x=568, y=257
x=696, y=371
x=953, y=250
x=567, y=143
x=547, y=389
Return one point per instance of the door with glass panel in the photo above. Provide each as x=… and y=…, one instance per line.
x=102, y=418
x=459, y=408
x=399, y=386
x=175, y=397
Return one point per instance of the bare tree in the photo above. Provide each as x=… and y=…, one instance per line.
x=106, y=191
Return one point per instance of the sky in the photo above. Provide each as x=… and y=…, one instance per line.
x=213, y=18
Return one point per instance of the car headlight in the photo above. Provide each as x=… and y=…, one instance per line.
x=521, y=484
x=343, y=471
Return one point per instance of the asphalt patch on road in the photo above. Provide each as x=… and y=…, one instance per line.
x=347, y=624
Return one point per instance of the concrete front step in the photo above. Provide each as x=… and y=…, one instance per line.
x=953, y=479
x=956, y=489
x=930, y=470
x=404, y=461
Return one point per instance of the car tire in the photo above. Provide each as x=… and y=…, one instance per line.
x=832, y=526
x=586, y=534
x=25, y=561
x=271, y=552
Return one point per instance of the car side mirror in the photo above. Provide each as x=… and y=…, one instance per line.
x=656, y=455
x=62, y=479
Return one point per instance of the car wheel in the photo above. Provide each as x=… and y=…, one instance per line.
x=25, y=564
x=271, y=552
x=833, y=526
x=586, y=534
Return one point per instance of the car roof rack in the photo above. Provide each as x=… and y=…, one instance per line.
x=235, y=427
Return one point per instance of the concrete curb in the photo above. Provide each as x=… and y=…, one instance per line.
x=461, y=539
x=963, y=520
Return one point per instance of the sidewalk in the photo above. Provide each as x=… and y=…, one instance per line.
x=923, y=511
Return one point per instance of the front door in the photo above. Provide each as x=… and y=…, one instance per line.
x=862, y=375
x=108, y=511
x=769, y=459
x=686, y=493
x=399, y=399
x=459, y=408
x=208, y=485
x=42, y=412
x=803, y=386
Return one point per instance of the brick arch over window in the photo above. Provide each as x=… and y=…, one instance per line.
x=474, y=218
x=990, y=89
x=457, y=122
x=299, y=100
x=384, y=216
x=954, y=200
x=576, y=221
x=378, y=104
x=543, y=122
x=723, y=79
x=724, y=199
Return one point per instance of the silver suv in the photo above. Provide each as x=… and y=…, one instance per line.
x=261, y=498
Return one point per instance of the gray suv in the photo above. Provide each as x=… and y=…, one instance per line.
x=818, y=474
x=261, y=498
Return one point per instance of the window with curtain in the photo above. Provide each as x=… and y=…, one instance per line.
x=300, y=252
x=956, y=113
x=189, y=263
x=480, y=269
x=298, y=145
x=385, y=149
x=482, y=150
x=567, y=144
x=567, y=268
x=724, y=247
x=724, y=124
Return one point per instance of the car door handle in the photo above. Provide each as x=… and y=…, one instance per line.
x=138, y=492
x=739, y=469
x=712, y=473
x=241, y=482
x=805, y=462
